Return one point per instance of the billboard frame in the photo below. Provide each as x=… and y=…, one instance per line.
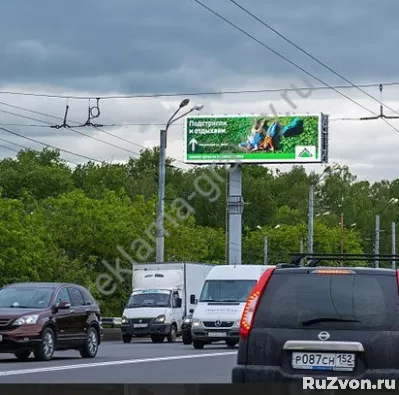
x=322, y=151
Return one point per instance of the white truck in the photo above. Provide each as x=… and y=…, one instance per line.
x=163, y=294
x=218, y=312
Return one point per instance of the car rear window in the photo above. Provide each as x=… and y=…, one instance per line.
x=306, y=300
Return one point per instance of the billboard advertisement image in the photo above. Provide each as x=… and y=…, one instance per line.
x=254, y=139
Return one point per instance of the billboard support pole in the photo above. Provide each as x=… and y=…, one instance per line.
x=235, y=207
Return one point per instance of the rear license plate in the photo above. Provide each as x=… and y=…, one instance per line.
x=1, y=338
x=217, y=334
x=323, y=361
x=140, y=325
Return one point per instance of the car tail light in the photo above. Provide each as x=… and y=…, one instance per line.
x=252, y=303
x=333, y=271
x=397, y=276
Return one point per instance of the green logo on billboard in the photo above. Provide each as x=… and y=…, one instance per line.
x=305, y=154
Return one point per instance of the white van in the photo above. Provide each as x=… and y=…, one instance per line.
x=163, y=294
x=218, y=311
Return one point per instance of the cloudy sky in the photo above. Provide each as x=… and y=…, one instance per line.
x=123, y=47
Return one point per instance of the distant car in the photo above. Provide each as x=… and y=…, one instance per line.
x=320, y=322
x=45, y=317
x=186, y=329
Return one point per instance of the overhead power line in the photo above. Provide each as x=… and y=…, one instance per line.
x=101, y=130
x=6, y=130
x=192, y=94
x=252, y=37
x=310, y=55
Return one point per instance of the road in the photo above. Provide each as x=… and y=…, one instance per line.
x=138, y=362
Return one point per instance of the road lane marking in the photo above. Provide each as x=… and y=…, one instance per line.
x=112, y=363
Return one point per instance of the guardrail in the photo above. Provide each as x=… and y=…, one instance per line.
x=111, y=322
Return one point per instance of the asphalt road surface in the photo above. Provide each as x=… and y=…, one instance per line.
x=138, y=362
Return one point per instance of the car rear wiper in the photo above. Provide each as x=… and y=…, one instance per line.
x=317, y=320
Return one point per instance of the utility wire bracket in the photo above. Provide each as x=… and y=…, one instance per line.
x=93, y=112
x=64, y=123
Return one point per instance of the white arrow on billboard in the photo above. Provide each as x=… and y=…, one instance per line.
x=193, y=142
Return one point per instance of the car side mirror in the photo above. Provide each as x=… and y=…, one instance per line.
x=191, y=311
x=179, y=303
x=192, y=299
x=64, y=305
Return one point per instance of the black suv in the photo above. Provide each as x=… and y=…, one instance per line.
x=44, y=317
x=320, y=322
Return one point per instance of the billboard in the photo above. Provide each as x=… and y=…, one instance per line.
x=256, y=139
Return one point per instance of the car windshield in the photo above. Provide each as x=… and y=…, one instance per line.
x=313, y=301
x=149, y=299
x=226, y=290
x=26, y=297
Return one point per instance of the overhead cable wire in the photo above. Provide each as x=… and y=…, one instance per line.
x=71, y=129
x=310, y=55
x=192, y=94
x=101, y=130
x=252, y=37
x=9, y=131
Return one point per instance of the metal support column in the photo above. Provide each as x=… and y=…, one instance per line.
x=235, y=205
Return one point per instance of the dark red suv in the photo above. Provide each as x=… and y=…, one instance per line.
x=45, y=317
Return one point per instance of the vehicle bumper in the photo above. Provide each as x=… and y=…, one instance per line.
x=17, y=340
x=214, y=335
x=150, y=329
x=160, y=329
x=261, y=374
x=130, y=330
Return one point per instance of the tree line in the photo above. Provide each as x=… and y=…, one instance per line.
x=78, y=225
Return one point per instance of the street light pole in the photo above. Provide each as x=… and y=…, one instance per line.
x=160, y=248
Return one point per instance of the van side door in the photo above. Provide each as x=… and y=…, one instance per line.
x=177, y=310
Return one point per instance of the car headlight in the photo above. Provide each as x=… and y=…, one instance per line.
x=187, y=320
x=197, y=322
x=237, y=324
x=26, y=320
x=125, y=320
x=160, y=318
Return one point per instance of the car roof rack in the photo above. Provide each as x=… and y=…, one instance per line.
x=315, y=259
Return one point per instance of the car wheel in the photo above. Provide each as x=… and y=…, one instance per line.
x=22, y=355
x=173, y=334
x=127, y=338
x=45, y=350
x=198, y=345
x=187, y=339
x=157, y=339
x=231, y=343
x=91, y=344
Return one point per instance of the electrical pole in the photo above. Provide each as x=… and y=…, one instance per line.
x=342, y=238
x=265, y=251
x=393, y=245
x=310, y=220
x=377, y=241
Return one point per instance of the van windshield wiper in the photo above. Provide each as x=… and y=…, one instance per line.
x=317, y=320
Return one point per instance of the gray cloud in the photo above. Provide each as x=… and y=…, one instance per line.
x=162, y=45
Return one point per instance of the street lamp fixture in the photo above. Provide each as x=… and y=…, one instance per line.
x=160, y=251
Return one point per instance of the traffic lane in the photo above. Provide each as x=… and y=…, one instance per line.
x=106, y=351
x=205, y=366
